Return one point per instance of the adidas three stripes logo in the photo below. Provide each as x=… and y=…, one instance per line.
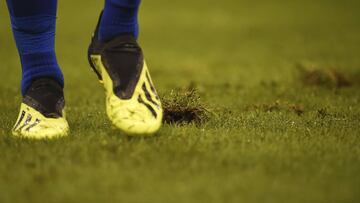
x=25, y=122
x=151, y=102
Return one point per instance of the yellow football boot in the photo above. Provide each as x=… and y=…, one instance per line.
x=132, y=103
x=41, y=112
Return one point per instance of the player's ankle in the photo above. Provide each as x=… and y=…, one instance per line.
x=46, y=95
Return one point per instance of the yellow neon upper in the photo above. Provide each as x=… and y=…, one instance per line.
x=32, y=124
x=142, y=113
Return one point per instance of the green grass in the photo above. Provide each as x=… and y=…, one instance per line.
x=242, y=56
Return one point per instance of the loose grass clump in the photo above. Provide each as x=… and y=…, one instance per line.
x=184, y=106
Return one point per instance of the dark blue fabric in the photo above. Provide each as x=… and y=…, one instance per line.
x=34, y=24
x=39, y=65
x=119, y=17
x=34, y=34
x=24, y=8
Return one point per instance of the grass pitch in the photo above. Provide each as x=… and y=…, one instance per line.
x=275, y=133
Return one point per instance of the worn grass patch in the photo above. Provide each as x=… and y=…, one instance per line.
x=183, y=106
x=323, y=77
x=278, y=106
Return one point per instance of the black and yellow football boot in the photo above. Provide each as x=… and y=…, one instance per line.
x=42, y=113
x=132, y=103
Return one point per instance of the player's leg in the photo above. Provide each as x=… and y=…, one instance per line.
x=132, y=103
x=119, y=17
x=41, y=113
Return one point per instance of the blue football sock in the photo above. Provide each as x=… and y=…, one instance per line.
x=33, y=23
x=119, y=17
